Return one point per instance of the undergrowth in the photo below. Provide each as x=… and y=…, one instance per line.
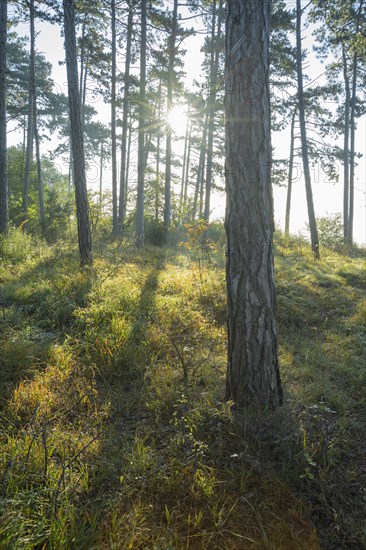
x=113, y=432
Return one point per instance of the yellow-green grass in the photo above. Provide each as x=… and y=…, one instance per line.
x=113, y=430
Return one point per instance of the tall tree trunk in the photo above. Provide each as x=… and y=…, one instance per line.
x=346, y=146
x=42, y=218
x=141, y=137
x=113, y=124
x=148, y=143
x=130, y=131
x=188, y=161
x=200, y=171
x=168, y=154
x=157, y=182
x=31, y=86
x=352, y=151
x=215, y=37
x=82, y=84
x=77, y=138
x=83, y=94
x=184, y=165
x=304, y=143
x=253, y=371
x=353, y=129
x=202, y=188
x=70, y=174
x=290, y=171
x=4, y=210
x=126, y=92
x=101, y=176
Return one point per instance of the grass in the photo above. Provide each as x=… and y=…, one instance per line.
x=113, y=433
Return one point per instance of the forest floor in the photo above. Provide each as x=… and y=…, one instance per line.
x=113, y=429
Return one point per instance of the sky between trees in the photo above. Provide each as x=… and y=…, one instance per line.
x=327, y=194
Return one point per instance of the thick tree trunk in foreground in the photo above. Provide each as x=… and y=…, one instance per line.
x=304, y=142
x=4, y=213
x=253, y=371
x=77, y=139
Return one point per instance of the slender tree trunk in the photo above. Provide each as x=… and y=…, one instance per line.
x=4, y=209
x=126, y=92
x=32, y=77
x=346, y=146
x=29, y=151
x=304, y=143
x=42, y=218
x=168, y=154
x=82, y=66
x=290, y=171
x=148, y=142
x=130, y=130
x=101, y=176
x=198, y=193
x=77, y=138
x=352, y=151
x=71, y=175
x=183, y=179
x=202, y=188
x=113, y=124
x=352, y=125
x=353, y=130
x=215, y=37
x=157, y=183
x=141, y=137
x=185, y=192
x=253, y=371
x=83, y=94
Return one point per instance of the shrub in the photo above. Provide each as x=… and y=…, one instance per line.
x=330, y=230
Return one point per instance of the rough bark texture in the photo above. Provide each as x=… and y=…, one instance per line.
x=141, y=137
x=253, y=371
x=4, y=215
x=304, y=143
x=77, y=140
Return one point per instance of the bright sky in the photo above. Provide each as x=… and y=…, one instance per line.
x=327, y=195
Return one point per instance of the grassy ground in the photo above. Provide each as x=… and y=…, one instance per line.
x=113, y=433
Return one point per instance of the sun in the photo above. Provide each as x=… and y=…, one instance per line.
x=177, y=119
